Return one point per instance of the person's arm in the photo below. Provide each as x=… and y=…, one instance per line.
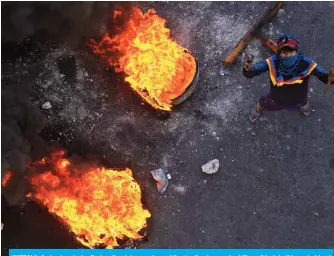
x=250, y=71
x=323, y=75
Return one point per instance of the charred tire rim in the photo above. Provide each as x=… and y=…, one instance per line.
x=190, y=89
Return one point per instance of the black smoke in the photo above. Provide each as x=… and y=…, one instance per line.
x=70, y=23
x=28, y=28
x=21, y=124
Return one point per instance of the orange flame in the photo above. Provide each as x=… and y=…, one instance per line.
x=99, y=205
x=157, y=68
x=117, y=13
x=6, y=178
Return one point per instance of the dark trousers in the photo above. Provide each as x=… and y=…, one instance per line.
x=267, y=102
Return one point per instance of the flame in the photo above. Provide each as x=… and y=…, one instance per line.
x=117, y=13
x=6, y=178
x=99, y=205
x=157, y=68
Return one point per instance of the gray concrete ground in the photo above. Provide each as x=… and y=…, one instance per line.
x=274, y=187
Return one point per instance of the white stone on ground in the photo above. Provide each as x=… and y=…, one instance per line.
x=47, y=105
x=211, y=167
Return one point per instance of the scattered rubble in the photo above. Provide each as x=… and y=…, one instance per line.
x=180, y=189
x=162, y=179
x=281, y=12
x=211, y=167
x=222, y=71
x=47, y=105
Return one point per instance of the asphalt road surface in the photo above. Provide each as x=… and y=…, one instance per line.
x=274, y=187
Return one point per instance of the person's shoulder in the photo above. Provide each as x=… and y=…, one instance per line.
x=306, y=59
x=305, y=63
x=272, y=57
x=272, y=60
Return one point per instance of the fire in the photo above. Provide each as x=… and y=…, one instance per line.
x=157, y=68
x=117, y=13
x=6, y=178
x=99, y=205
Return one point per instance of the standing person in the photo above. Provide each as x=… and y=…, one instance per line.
x=289, y=73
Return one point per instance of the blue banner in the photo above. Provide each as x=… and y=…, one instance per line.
x=171, y=252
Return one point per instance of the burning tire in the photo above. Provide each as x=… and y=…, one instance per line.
x=161, y=71
x=189, y=90
x=100, y=206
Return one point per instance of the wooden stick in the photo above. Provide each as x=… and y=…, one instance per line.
x=242, y=44
x=328, y=85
